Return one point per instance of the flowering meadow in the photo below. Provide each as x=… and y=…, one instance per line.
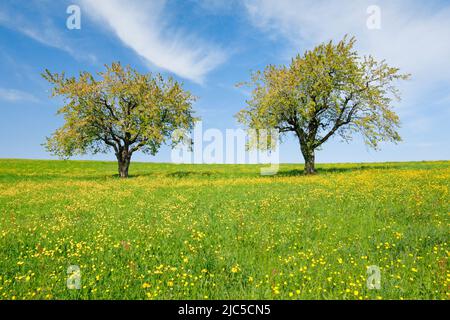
x=223, y=231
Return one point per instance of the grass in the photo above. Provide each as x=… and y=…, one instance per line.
x=223, y=231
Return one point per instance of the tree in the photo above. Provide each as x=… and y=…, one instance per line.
x=328, y=91
x=123, y=110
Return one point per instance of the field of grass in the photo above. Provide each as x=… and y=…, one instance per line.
x=223, y=231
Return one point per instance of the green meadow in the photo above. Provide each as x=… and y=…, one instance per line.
x=223, y=231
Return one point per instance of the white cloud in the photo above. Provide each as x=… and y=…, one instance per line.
x=42, y=30
x=217, y=6
x=52, y=38
x=12, y=95
x=143, y=26
x=413, y=35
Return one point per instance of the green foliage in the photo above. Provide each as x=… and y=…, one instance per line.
x=329, y=90
x=123, y=110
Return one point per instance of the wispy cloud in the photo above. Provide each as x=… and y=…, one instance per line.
x=143, y=26
x=42, y=29
x=413, y=35
x=13, y=95
x=217, y=6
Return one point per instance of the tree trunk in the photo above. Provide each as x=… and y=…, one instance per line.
x=309, y=156
x=123, y=159
x=310, y=164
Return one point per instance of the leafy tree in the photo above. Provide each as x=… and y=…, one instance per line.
x=328, y=91
x=123, y=110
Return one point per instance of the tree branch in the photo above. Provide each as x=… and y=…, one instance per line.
x=339, y=121
x=138, y=146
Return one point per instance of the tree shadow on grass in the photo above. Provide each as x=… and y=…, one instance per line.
x=177, y=174
x=133, y=175
x=74, y=177
x=300, y=172
x=186, y=174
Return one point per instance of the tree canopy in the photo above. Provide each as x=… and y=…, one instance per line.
x=329, y=90
x=121, y=110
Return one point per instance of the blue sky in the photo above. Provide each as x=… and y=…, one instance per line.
x=210, y=45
